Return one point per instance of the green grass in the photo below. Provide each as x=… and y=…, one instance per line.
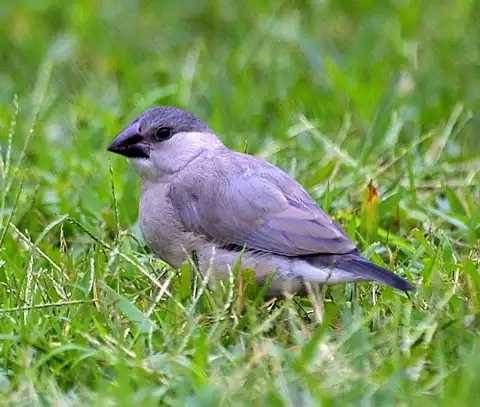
x=338, y=93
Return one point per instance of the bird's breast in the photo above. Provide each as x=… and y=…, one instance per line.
x=161, y=227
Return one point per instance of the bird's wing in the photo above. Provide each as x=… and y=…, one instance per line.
x=241, y=200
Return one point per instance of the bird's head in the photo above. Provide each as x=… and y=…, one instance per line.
x=162, y=141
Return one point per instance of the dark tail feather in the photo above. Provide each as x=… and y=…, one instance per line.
x=364, y=268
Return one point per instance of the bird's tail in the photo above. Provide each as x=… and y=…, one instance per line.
x=362, y=269
x=370, y=271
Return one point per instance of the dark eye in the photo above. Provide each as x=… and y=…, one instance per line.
x=162, y=133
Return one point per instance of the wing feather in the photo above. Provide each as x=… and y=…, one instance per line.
x=239, y=199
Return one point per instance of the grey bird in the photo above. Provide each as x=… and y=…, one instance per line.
x=200, y=197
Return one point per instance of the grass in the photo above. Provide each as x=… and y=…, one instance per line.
x=373, y=107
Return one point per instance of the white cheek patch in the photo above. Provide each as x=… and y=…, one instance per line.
x=171, y=156
x=144, y=166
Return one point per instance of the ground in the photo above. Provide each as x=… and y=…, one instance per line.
x=372, y=106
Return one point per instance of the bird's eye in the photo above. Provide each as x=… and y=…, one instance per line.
x=162, y=133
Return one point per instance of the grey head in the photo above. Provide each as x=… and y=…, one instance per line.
x=162, y=141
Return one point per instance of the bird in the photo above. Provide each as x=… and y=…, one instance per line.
x=200, y=198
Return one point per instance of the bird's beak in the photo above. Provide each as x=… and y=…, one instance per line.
x=130, y=143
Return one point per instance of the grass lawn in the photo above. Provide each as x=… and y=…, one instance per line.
x=372, y=106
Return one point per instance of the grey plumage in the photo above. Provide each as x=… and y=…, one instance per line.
x=197, y=195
